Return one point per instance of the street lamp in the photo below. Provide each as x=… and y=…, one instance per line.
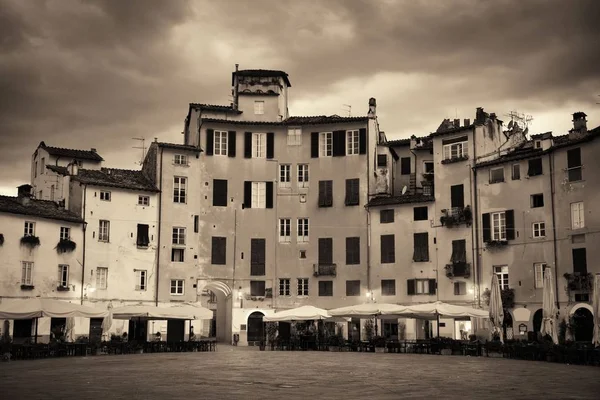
x=370, y=296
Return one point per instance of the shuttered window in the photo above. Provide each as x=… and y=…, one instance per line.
x=325, y=288
x=325, y=193
x=353, y=288
x=574, y=170
x=388, y=249
x=535, y=167
x=143, y=239
x=220, y=192
x=257, y=257
x=459, y=251
x=421, y=247
x=352, y=250
x=580, y=261
x=219, y=246
x=325, y=251
x=386, y=216
x=352, y=186
x=388, y=287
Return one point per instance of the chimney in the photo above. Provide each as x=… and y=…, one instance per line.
x=479, y=116
x=372, y=107
x=235, y=87
x=467, y=121
x=493, y=116
x=457, y=123
x=93, y=150
x=73, y=168
x=579, y=122
x=24, y=194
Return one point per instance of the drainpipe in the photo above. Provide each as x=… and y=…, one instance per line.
x=416, y=160
x=475, y=231
x=160, y=178
x=83, y=253
x=368, y=248
x=554, y=241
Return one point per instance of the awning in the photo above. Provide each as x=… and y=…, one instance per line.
x=304, y=313
x=162, y=313
x=365, y=310
x=39, y=307
x=433, y=310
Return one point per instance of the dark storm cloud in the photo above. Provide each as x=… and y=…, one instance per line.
x=97, y=73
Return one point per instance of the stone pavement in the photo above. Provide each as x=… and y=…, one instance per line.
x=246, y=373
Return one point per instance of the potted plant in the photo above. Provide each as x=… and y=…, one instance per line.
x=65, y=245
x=334, y=343
x=30, y=241
x=379, y=344
x=272, y=328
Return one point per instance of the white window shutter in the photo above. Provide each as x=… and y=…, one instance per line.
x=539, y=275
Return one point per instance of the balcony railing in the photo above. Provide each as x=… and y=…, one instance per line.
x=458, y=270
x=577, y=282
x=456, y=215
x=325, y=270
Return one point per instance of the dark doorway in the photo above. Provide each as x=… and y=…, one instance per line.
x=57, y=328
x=285, y=330
x=583, y=325
x=22, y=329
x=457, y=196
x=138, y=330
x=256, y=327
x=213, y=325
x=175, y=330
x=537, y=320
x=390, y=330
x=507, y=326
x=95, y=330
x=354, y=329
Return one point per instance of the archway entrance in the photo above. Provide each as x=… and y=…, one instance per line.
x=582, y=323
x=256, y=327
x=216, y=296
x=538, y=316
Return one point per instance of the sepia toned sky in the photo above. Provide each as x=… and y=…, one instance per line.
x=97, y=73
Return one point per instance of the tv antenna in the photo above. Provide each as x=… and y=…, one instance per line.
x=348, y=109
x=518, y=119
x=143, y=147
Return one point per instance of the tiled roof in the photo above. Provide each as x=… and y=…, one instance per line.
x=291, y=121
x=453, y=130
x=398, y=142
x=37, y=208
x=403, y=199
x=72, y=153
x=214, y=107
x=262, y=73
x=541, y=136
x=58, y=169
x=183, y=147
x=118, y=178
x=526, y=150
x=568, y=140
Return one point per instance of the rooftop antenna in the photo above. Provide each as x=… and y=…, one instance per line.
x=521, y=120
x=348, y=109
x=143, y=147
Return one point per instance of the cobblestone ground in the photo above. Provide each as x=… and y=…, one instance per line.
x=246, y=373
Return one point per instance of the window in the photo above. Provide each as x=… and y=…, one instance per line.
x=325, y=251
x=52, y=192
x=352, y=250
x=325, y=144
x=218, y=251
x=140, y=279
x=421, y=286
x=459, y=251
x=499, y=226
x=285, y=179
x=27, y=273
x=538, y=271
x=219, y=193
x=325, y=193
x=457, y=197
x=420, y=213
x=460, y=288
x=302, y=286
x=302, y=254
x=388, y=249
x=502, y=272
x=284, y=287
x=302, y=229
x=177, y=287
x=143, y=200
x=180, y=159
x=325, y=288
x=303, y=175
x=105, y=196
x=220, y=143
x=386, y=216
x=196, y=223
x=535, y=167
x=352, y=140
x=574, y=170
x=405, y=166
x=259, y=145
x=381, y=160
x=285, y=230
x=63, y=275
x=35, y=170
x=104, y=231
x=65, y=233
x=516, y=172
x=538, y=144
x=177, y=254
x=101, y=278
x=577, y=215
x=455, y=150
x=294, y=137
x=352, y=288
x=537, y=200
x=259, y=107
x=29, y=228
x=259, y=195
x=143, y=237
x=179, y=236
x=497, y=175
x=257, y=288
x=257, y=257
x=388, y=287
x=580, y=261
x=539, y=229
x=428, y=167
x=352, y=187
x=421, y=247
x=179, y=189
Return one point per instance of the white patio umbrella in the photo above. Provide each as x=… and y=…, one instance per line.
x=549, y=310
x=365, y=310
x=69, y=329
x=496, y=312
x=596, y=310
x=108, y=320
x=304, y=313
x=161, y=313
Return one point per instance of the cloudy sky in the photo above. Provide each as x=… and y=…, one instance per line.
x=88, y=73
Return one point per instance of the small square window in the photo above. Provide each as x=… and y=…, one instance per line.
x=516, y=172
x=539, y=229
x=180, y=159
x=177, y=286
x=105, y=196
x=420, y=213
x=259, y=107
x=497, y=175
x=537, y=200
x=381, y=160
x=143, y=200
x=302, y=254
x=386, y=216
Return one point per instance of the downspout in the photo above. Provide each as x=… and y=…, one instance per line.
x=368, y=248
x=414, y=154
x=160, y=177
x=366, y=206
x=475, y=230
x=554, y=241
x=84, y=246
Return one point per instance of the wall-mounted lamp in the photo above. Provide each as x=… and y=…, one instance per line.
x=370, y=296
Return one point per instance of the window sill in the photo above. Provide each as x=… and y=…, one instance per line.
x=180, y=165
x=62, y=289
x=455, y=160
x=493, y=182
x=285, y=241
x=146, y=247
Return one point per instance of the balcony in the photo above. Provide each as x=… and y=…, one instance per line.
x=458, y=270
x=578, y=282
x=455, y=216
x=325, y=270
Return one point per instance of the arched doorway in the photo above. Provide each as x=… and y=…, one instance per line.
x=507, y=326
x=256, y=327
x=582, y=324
x=216, y=296
x=538, y=316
